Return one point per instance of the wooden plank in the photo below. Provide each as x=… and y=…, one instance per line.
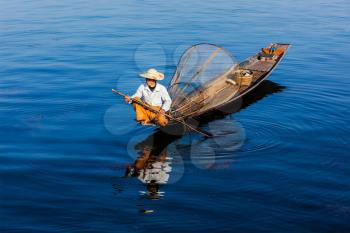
x=260, y=65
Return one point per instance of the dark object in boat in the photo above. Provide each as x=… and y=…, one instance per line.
x=208, y=78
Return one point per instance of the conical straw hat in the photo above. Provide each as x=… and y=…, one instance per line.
x=153, y=74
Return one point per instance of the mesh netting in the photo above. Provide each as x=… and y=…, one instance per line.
x=198, y=67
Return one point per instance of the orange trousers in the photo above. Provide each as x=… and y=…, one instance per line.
x=146, y=116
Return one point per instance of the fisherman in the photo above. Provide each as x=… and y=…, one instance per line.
x=153, y=94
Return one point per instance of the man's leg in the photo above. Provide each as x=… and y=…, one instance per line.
x=159, y=119
x=145, y=116
x=162, y=120
x=141, y=113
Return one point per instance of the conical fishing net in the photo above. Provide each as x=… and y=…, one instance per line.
x=199, y=68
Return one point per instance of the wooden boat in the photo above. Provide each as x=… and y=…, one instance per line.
x=208, y=78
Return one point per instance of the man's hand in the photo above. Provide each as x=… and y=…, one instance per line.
x=127, y=99
x=162, y=112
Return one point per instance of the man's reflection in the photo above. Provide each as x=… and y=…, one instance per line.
x=153, y=165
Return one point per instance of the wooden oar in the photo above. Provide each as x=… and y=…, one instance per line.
x=200, y=131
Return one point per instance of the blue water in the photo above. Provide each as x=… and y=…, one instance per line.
x=280, y=164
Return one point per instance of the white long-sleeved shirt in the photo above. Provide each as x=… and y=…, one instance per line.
x=158, y=97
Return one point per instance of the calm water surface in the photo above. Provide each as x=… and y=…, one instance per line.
x=73, y=159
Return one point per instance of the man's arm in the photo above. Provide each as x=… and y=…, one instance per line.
x=138, y=94
x=166, y=100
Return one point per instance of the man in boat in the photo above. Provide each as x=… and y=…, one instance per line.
x=153, y=94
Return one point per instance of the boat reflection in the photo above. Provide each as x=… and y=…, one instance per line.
x=265, y=89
